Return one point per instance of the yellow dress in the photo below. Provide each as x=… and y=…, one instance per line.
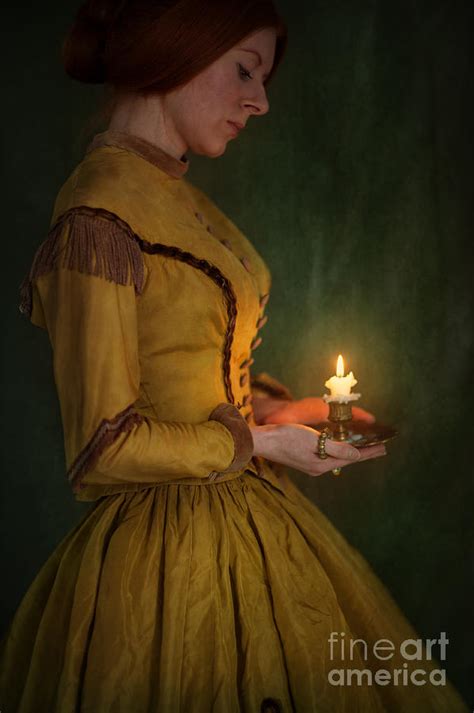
x=201, y=580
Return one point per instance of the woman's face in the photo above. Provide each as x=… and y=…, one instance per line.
x=229, y=90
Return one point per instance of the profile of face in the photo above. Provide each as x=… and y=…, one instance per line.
x=200, y=114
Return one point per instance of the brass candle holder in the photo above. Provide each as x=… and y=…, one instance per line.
x=339, y=414
x=359, y=434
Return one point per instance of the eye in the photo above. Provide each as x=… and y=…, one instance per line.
x=244, y=73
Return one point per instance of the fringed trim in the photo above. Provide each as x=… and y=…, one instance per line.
x=107, y=432
x=94, y=246
x=136, y=261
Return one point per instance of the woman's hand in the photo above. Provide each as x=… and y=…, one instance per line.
x=295, y=446
x=310, y=410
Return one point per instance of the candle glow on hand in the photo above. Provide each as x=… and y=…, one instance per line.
x=341, y=385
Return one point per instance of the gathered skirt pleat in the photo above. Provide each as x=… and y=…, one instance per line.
x=206, y=599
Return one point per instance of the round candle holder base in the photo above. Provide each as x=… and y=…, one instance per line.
x=359, y=434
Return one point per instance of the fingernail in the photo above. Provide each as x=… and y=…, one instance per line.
x=353, y=454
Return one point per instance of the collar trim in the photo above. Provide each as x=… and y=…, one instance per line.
x=152, y=153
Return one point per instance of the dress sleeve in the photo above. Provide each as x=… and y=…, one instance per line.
x=266, y=386
x=83, y=287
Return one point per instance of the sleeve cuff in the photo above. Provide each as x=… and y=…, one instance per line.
x=230, y=417
x=265, y=385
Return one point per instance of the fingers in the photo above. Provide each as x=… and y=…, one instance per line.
x=363, y=454
x=342, y=450
x=359, y=414
x=373, y=451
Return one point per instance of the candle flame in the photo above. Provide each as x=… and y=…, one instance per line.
x=340, y=366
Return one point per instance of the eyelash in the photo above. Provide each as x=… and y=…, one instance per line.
x=244, y=72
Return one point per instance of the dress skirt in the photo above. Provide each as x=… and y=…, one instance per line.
x=213, y=598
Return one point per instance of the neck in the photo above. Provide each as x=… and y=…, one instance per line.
x=144, y=117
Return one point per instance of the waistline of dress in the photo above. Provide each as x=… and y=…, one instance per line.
x=258, y=468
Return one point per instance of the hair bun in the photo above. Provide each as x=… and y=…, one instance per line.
x=83, y=47
x=155, y=46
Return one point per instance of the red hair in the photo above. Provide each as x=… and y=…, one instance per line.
x=158, y=45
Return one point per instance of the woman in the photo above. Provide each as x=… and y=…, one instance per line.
x=202, y=580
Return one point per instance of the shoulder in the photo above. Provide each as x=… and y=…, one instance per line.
x=120, y=182
x=90, y=241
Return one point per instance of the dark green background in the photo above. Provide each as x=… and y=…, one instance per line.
x=357, y=190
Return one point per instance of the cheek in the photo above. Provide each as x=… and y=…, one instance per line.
x=218, y=95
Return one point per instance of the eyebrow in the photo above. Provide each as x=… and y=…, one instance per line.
x=265, y=76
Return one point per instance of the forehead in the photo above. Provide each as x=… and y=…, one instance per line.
x=263, y=41
x=261, y=45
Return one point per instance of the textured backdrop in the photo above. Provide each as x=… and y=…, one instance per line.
x=356, y=188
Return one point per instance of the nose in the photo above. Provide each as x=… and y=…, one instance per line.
x=258, y=103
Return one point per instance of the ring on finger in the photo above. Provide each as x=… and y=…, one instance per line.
x=323, y=436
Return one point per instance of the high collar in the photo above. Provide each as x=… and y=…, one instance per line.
x=174, y=167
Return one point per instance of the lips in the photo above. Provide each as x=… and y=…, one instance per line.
x=236, y=126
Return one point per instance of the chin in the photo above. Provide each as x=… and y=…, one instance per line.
x=210, y=150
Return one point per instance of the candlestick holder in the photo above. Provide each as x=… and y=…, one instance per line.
x=359, y=434
x=339, y=414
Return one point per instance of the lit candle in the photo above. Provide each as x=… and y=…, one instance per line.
x=341, y=385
